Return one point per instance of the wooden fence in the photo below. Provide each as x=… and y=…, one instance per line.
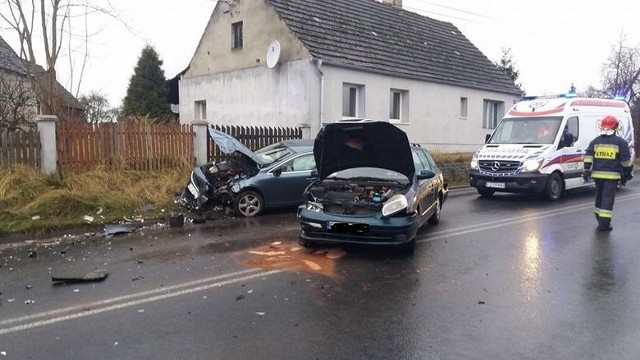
x=253, y=137
x=128, y=145
x=20, y=147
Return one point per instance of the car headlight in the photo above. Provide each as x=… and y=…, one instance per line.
x=474, y=164
x=394, y=204
x=532, y=165
x=314, y=206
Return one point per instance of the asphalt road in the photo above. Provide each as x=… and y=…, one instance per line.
x=512, y=277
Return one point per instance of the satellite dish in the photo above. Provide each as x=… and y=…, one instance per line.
x=273, y=54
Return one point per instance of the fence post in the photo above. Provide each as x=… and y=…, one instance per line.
x=306, y=130
x=200, y=130
x=48, y=143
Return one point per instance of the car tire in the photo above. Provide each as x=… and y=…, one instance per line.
x=305, y=243
x=555, y=187
x=248, y=204
x=486, y=192
x=435, y=217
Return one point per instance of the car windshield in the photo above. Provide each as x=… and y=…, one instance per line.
x=369, y=173
x=272, y=153
x=538, y=130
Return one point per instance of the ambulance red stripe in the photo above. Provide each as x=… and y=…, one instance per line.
x=598, y=102
x=565, y=159
x=535, y=113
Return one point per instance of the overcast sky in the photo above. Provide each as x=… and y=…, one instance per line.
x=554, y=43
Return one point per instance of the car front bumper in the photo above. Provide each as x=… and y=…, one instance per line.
x=520, y=183
x=321, y=227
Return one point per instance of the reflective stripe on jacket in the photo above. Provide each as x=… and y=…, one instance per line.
x=606, y=157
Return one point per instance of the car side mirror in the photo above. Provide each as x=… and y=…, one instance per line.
x=277, y=172
x=314, y=173
x=486, y=138
x=425, y=174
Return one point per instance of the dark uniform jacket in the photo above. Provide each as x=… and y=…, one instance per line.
x=608, y=158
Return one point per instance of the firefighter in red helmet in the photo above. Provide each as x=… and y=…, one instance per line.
x=607, y=161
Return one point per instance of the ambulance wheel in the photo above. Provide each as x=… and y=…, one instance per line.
x=486, y=192
x=555, y=187
x=248, y=204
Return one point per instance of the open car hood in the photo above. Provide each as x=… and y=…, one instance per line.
x=383, y=146
x=228, y=145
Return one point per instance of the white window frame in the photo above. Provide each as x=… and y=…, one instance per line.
x=402, y=110
x=492, y=112
x=464, y=107
x=200, y=110
x=356, y=94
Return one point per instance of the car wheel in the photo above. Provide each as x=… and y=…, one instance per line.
x=555, y=187
x=435, y=218
x=486, y=192
x=305, y=243
x=248, y=204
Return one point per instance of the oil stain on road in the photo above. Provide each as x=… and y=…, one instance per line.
x=291, y=257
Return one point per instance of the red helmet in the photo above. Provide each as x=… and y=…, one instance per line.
x=609, y=123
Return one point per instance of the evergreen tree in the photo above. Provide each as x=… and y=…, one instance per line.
x=147, y=91
x=508, y=66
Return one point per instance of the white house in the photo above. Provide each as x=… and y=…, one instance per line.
x=309, y=62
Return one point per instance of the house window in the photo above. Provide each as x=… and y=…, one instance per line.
x=200, y=110
x=399, y=106
x=463, y=107
x=236, y=33
x=352, y=100
x=493, y=111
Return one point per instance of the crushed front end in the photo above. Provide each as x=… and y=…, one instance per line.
x=210, y=186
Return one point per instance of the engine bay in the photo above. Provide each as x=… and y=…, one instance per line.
x=222, y=175
x=353, y=198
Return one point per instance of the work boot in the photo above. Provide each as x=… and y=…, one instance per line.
x=604, y=225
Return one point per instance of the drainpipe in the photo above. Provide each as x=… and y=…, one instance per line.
x=319, y=67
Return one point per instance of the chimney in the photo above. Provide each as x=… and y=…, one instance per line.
x=394, y=3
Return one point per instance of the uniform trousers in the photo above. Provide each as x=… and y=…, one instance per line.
x=605, y=197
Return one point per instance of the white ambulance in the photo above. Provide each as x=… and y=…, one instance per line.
x=539, y=145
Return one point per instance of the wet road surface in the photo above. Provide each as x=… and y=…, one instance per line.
x=512, y=277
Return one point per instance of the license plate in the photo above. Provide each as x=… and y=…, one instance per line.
x=193, y=190
x=495, y=185
x=342, y=227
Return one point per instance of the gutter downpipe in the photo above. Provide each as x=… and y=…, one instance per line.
x=319, y=67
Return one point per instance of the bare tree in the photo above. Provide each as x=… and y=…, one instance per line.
x=41, y=27
x=621, y=77
x=593, y=92
x=621, y=72
x=17, y=104
x=97, y=108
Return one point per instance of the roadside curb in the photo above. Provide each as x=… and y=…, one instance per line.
x=461, y=190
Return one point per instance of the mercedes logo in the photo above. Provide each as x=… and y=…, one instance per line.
x=495, y=166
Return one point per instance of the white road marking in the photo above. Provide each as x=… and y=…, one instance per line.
x=145, y=297
x=56, y=316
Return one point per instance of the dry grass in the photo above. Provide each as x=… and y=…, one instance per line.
x=62, y=201
x=451, y=158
